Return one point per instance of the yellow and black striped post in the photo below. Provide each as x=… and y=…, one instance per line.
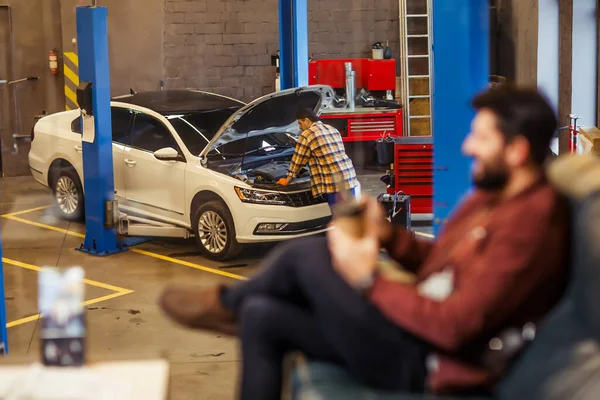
x=71, y=65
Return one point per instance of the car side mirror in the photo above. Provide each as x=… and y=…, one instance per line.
x=167, y=154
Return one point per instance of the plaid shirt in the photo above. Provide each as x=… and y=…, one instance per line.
x=322, y=148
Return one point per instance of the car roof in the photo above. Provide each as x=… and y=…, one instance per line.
x=180, y=101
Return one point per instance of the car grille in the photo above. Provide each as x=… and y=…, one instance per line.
x=304, y=199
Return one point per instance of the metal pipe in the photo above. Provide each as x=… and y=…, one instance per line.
x=13, y=67
x=351, y=90
x=29, y=78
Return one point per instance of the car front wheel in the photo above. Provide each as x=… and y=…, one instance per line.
x=215, y=232
x=68, y=194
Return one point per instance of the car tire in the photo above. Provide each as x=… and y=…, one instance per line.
x=68, y=194
x=217, y=239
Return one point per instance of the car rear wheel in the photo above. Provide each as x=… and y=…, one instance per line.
x=68, y=194
x=215, y=232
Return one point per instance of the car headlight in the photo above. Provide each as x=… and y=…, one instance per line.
x=260, y=197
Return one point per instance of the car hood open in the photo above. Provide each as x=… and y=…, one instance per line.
x=274, y=113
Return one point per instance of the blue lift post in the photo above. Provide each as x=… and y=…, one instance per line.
x=461, y=69
x=3, y=330
x=92, y=39
x=293, y=43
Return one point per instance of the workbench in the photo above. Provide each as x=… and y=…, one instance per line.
x=364, y=124
x=361, y=127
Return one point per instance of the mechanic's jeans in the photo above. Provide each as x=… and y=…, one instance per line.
x=332, y=198
x=299, y=303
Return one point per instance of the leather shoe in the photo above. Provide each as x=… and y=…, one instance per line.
x=198, y=308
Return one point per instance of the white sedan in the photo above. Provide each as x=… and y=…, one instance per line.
x=194, y=162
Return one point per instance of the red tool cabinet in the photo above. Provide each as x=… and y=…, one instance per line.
x=413, y=172
x=365, y=124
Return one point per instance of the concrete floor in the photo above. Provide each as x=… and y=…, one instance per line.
x=123, y=319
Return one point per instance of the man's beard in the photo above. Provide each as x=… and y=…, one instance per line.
x=492, y=178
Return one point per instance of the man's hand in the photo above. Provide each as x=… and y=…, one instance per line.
x=356, y=259
x=383, y=228
x=283, y=182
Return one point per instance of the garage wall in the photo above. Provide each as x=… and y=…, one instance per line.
x=226, y=46
x=35, y=30
x=585, y=65
x=135, y=40
x=348, y=28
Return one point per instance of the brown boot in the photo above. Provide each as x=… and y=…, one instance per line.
x=198, y=308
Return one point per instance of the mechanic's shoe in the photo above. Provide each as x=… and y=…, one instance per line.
x=198, y=308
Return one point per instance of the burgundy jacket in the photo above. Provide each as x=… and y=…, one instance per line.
x=510, y=268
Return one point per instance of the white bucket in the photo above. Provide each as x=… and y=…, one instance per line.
x=377, y=54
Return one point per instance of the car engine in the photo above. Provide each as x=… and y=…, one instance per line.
x=270, y=173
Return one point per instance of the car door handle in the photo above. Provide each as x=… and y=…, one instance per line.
x=131, y=163
x=78, y=148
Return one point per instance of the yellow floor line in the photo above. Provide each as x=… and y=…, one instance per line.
x=107, y=297
x=86, y=281
x=105, y=286
x=35, y=317
x=138, y=251
x=119, y=291
x=26, y=211
x=23, y=321
x=44, y=226
x=189, y=264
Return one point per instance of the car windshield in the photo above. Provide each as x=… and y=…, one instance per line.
x=197, y=129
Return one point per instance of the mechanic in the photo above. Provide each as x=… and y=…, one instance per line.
x=321, y=146
x=500, y=263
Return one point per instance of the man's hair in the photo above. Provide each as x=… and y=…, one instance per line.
x=307, y=113
x=521, y=112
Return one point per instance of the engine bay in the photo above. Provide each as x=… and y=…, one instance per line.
x=267, y=175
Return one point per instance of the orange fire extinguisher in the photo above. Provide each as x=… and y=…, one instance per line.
x=53, y=61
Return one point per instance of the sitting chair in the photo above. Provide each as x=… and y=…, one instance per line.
x=563, y=361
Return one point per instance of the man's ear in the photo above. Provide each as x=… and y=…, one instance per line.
x=518, y=152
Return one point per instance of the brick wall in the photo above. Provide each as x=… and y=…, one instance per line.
x=348, y=28
x=225, y=46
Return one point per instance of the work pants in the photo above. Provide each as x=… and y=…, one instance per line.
x=299, y=303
